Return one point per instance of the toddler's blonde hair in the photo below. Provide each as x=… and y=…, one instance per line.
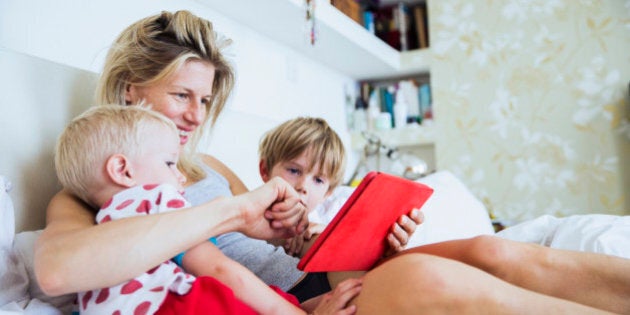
x=92, y=137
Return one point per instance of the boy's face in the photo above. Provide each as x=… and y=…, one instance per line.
x=312, y=187
x=156, y=162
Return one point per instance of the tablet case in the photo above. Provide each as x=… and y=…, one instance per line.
x=356, y=237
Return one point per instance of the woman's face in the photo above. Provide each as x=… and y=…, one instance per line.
x=182, y=97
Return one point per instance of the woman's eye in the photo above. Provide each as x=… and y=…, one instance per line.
x=182, y=96
x=170, y=163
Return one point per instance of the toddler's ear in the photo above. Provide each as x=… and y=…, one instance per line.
x=119, y=170
x=262, y=169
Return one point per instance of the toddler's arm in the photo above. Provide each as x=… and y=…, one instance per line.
x=206, y=259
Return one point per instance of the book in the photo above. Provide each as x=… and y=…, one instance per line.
x=420, y=23
x=355, y=240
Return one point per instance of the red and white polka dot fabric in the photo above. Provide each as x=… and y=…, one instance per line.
x=145, y=293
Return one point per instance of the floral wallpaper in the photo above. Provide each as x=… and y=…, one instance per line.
x=531, y=103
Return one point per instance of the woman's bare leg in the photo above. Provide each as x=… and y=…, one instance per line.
x=417, y=283
x=597, y=280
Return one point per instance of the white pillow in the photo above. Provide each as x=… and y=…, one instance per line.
x=452, y=212
x=14, y=281
x=19, y=293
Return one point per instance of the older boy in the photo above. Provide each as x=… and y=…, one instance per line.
x=308, y=153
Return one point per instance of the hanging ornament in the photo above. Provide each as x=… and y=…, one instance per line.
x=310, y=22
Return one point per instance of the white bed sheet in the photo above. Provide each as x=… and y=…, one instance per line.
x=597, y=233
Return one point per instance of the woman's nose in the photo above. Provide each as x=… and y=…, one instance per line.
x=196, y=113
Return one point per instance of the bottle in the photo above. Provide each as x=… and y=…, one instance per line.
x=425, y=103
x=400, y=110
x=383, y=121
x=360, y=116
x=374, y=109
x=349, y=100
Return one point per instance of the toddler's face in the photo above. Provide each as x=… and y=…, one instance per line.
x=156, y=162
x=312, y=186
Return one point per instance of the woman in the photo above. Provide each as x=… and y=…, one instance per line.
x=187, y=79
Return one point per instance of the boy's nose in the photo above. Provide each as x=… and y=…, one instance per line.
x=300, y=186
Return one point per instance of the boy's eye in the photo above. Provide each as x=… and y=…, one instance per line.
x=170, y=163
x=293, y=170
x=319, y=180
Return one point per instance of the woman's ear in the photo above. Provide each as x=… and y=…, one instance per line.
x=120, y=170
x=130, y=94
x=262, y=169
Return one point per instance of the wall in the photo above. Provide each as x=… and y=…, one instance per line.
x=531, y=102
x=274, y=82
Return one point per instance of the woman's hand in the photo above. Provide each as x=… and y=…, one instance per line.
x=336, y=301
x=402, y=231
x=274, y=210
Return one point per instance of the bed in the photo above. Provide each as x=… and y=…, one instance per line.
x=46, y=95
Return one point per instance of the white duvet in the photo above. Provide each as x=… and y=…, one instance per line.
x=598, y=233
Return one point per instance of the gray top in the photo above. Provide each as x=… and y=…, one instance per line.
x=268, y=262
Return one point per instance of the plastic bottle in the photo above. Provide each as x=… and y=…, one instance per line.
x=360, y=115
x=374, y=109
x=400, y=110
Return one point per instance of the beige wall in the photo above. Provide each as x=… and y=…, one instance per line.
x=531, y=102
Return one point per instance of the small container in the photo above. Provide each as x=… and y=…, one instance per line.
x=383, y=121
x=400, y=110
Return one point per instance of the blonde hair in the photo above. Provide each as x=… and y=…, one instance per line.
x=92, y=137
x=290, y=139
x=155, y=47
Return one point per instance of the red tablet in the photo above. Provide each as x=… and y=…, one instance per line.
x=356, y=237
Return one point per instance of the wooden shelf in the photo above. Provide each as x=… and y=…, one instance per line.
x=342, y=44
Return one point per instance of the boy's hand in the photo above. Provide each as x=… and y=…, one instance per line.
x=336, y=301
x=274, y=210
x=294, y=245
x=402, y=231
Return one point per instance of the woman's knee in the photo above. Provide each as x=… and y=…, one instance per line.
x=491, y=253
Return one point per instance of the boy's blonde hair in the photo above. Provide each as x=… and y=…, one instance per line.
x=151, y=50
x=92, y=137
x=290, y=139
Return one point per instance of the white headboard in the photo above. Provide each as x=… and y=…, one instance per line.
x=37, y=98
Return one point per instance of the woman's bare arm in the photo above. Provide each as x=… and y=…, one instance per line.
x=73, y=254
